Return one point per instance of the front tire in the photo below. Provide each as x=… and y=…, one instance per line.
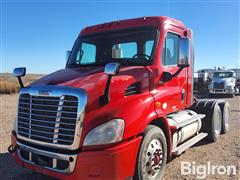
x=152, y=155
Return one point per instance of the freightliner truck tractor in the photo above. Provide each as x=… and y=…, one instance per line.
x=121, y=108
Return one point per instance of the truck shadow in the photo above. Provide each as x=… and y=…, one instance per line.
x=10, y=170
x=201, y=143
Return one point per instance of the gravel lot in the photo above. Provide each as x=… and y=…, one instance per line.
x=224, y=152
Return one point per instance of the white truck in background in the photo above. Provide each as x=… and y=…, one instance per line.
x=223, y=83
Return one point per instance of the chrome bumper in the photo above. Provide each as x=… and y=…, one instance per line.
x=221, y=91
x=54, y=157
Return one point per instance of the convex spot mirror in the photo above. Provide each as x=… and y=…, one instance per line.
x=19, y=72
x=112, y=68
x=184, y=52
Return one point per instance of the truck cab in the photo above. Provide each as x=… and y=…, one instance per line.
x=121, y=108
x=223, y=82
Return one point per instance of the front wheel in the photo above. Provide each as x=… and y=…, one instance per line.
x=152, y=155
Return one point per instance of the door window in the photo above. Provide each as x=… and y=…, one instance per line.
x=170, y=50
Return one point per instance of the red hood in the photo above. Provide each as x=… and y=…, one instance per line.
x=65, y=75
x=93, y=81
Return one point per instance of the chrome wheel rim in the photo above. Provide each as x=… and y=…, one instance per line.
x=153, y=158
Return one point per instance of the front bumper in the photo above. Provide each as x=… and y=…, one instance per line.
x=62, y=163
x=221, y=91
x=112, y=163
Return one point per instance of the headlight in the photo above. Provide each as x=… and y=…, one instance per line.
x=107, y=133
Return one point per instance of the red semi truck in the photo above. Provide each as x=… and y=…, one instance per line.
x=122, y=107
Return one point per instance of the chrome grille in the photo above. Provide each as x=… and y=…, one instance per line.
x=218, y=85
x=48, y=119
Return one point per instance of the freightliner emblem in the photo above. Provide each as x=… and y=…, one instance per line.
x=44, y=92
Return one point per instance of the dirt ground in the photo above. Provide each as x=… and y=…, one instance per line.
x=222, y=153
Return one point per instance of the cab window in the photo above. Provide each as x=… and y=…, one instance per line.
x=148, y=47
x=170, y=50
x=87, y=53
x=124, y=50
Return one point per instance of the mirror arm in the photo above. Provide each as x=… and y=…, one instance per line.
x=178, y=71
x=20, y=82
x=106, y=98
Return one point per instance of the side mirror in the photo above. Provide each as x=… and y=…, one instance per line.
x=19, y=72
x=68, y=55
x=166, y=76
x=112, y=69
x=184, y=52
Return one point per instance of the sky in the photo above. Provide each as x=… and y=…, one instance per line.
x=37, y=34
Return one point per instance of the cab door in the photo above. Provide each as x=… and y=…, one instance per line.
x=170, y=96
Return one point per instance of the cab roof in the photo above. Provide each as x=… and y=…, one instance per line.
x=154, y=21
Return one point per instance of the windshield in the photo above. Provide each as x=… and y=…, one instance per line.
x=128, y=47
x=223, y=74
